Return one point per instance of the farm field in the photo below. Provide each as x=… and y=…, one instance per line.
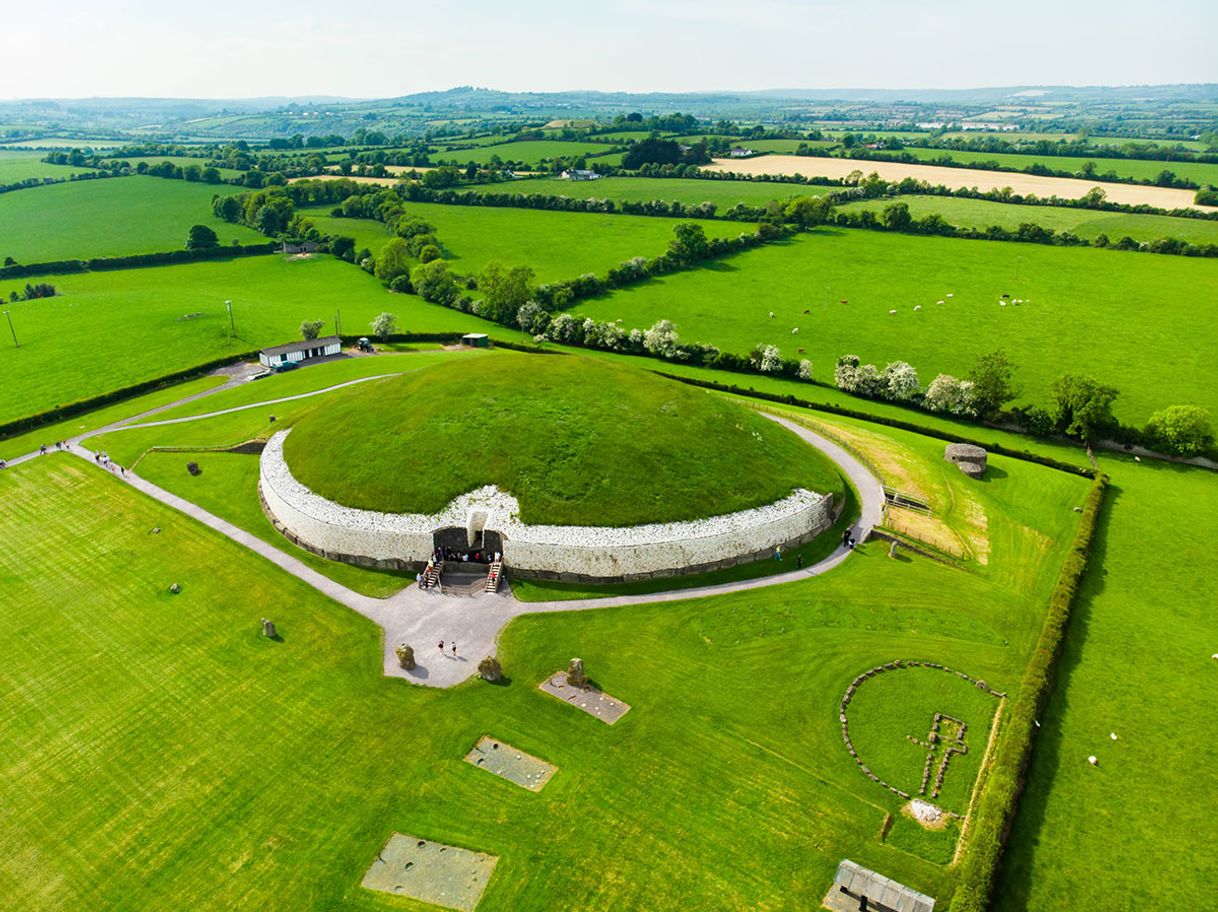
x=18, y=166
x=527, y=152
x=1074, y=296
x=1023, y=184
x=207, y=667
x=1137, y=663
x=115, y=216
x=1140, y=169
x=1086, y=223
x=690, y=191
x=144, y=323
x=1094, y=139
x=558, y=245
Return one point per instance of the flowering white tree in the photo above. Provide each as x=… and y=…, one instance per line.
x=870, y=381
x=565, y=328
x=901, y=382
x=949, y=394
x=805, y=369
x=661, y=339
x=771, y=360
x=846, y=373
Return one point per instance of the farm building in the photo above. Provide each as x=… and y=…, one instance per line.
x=741, y=152
x=864, y=889
x=295, y=352
x=579, y=174
x=476, y=340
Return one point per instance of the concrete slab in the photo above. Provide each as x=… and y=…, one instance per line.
x=430, y=872
x=510, y=763
x=595, y=703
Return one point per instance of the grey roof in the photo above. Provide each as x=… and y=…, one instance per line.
x=883, y=891
x=302, y=345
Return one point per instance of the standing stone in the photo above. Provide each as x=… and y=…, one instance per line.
x=892, y=549
x=575, y=674
x=405, y=655
x=175, y=588
x=268, y=628
x=490, y=670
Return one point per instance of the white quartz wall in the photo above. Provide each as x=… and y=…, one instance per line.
x=595, y=551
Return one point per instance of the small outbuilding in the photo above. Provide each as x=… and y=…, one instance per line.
x=296, y=352
x=969, y=459
x=476, y=340
x=579, y=174
x=856, y=887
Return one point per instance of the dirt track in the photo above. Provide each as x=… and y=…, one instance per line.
x=1023, y=184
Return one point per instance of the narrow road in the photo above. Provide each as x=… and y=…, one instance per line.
x=423, y=618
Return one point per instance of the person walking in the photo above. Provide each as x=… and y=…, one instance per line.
x=799, y=562
x=441, y=647
x=454, y=650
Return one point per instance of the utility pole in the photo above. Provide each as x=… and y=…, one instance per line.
x=9, y=314
x=232, y=328
x=338, y=323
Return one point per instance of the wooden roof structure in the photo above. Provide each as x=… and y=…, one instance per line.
x=882, y=893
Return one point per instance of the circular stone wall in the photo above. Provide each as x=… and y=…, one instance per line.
x=558, y=552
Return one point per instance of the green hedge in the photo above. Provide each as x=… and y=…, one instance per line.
x=60, y=412
x=1004, y=781
x=991, y=447
x=98, y=264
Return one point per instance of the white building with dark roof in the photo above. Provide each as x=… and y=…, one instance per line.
x=296, y=352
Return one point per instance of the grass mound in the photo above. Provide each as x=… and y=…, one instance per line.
x=577, y=441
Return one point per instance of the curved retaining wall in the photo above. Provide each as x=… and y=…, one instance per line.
x=555, y=552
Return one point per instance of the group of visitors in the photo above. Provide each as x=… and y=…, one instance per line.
x=848, y=541
x=454, y=646
x=59, y=445
x=102, y=458
x=442, y=554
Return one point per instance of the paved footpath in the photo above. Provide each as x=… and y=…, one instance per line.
x=423, y=618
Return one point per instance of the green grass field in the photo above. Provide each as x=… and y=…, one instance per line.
x=576, y=441
x=138, y=324
x=558, y=245
x=170, y=770
x=1075, y=297
x=116, y=216
x=1087, y=223
x=1136, y=662
x=528, y=152
x=1140, y=169
x=16, y=166
x=182, y=161
x=691, y=192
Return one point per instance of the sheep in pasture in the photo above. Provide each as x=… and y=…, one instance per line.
x=917, y=307
x=795, y=331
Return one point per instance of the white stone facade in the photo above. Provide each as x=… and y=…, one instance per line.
x=598, y=552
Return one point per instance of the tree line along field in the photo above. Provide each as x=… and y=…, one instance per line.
x=114, y=216
x=1139, y=169
x=17, y=166
x=691, y=192
x=1086, y=223
x=108, y=330
x=558, y=245
x=691, y=729
x=1118, y=316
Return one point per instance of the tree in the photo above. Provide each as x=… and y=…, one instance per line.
x=1181, y=429
x=532, y=318
x=433, y=282
x=384, y=326
x=504, y=290
x=311, y=329
x=661, y=339
x=896, y=217
x=993, y=387
x=689, y=243
x=901, y=382
x=343, y=247
x=807, y=211
x=393, y=261
x=1081, y=405
x=805, y=369
x=201, y=237
x=948, y=394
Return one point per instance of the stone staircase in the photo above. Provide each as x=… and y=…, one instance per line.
x=492, y=576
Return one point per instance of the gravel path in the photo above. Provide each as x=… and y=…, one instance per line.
x=423, y=618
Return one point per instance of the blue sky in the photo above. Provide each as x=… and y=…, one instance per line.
x=222, y=48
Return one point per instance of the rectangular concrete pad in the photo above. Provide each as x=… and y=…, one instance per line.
x=510, y=763
x=430, y=872
x=606, y=708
